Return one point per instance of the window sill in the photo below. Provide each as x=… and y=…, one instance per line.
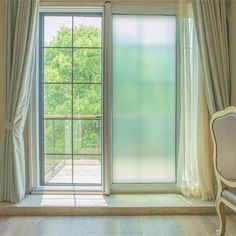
x=68, y=190
x=114, y=204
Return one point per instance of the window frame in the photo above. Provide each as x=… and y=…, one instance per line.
x=33, y=122
x=41, y=83
x=152, y=9
x=36, y=107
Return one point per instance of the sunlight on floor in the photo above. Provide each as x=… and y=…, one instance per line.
x=73, y=200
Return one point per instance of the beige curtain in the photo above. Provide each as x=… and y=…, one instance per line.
x=20, y=37
x=210, y=18
x=195, y=158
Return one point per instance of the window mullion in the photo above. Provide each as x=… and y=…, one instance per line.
x=72, y=100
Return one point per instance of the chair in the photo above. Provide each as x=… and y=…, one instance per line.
x=223, y=131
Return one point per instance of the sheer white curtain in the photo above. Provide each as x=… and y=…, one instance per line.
x=194, y=158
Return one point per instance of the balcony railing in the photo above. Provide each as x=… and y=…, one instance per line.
x=62, y=142
x=74, y=117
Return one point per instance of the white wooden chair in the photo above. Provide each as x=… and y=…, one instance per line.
x=223, y=131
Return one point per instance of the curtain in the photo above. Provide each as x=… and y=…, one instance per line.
x=210, y=18
x=195, y=164
x=20, y=36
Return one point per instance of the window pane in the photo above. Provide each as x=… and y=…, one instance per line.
x=87, y=136
x=87, y=99
x=87, y=169
x=57, y=135
x=57, y=65
x=87, y=65
x=87, y=31
x=57, y=100
x=144, y=80
x=58, y=169
x=71, y=78
x=57, y=31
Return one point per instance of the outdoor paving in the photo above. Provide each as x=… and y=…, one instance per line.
x=83, y=174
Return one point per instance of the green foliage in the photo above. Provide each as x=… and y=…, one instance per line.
x=84, y=62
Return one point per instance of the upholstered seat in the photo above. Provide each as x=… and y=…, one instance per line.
x=230, y=195
x=223, y=131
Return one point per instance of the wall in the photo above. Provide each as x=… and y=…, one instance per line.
x=231, y=13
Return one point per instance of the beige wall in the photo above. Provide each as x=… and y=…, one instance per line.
x=232, y=46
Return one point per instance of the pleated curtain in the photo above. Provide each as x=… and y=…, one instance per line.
x=211, y=27
x=20, y=41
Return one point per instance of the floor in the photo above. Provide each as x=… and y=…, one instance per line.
x=114, y=225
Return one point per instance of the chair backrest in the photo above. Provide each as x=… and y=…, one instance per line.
x=224, y=134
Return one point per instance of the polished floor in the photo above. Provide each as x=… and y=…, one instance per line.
x=114, y=225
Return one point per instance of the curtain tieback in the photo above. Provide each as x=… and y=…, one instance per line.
x=9, y=126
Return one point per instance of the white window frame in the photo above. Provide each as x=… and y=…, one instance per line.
x=33, y=122
x=148, y=9
x=34, y=140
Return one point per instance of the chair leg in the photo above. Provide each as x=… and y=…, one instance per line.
x=221, y=214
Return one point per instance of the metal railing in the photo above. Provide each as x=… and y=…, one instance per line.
x=57, y=160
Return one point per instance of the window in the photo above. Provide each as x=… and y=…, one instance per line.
x=71, y=99
x=104, y=129
x=144, y=98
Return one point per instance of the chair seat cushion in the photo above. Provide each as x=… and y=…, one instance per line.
x=230, y=195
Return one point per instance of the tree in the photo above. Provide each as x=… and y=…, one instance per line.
x=71, y=72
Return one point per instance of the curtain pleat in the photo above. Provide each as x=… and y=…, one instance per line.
x=211, y=25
